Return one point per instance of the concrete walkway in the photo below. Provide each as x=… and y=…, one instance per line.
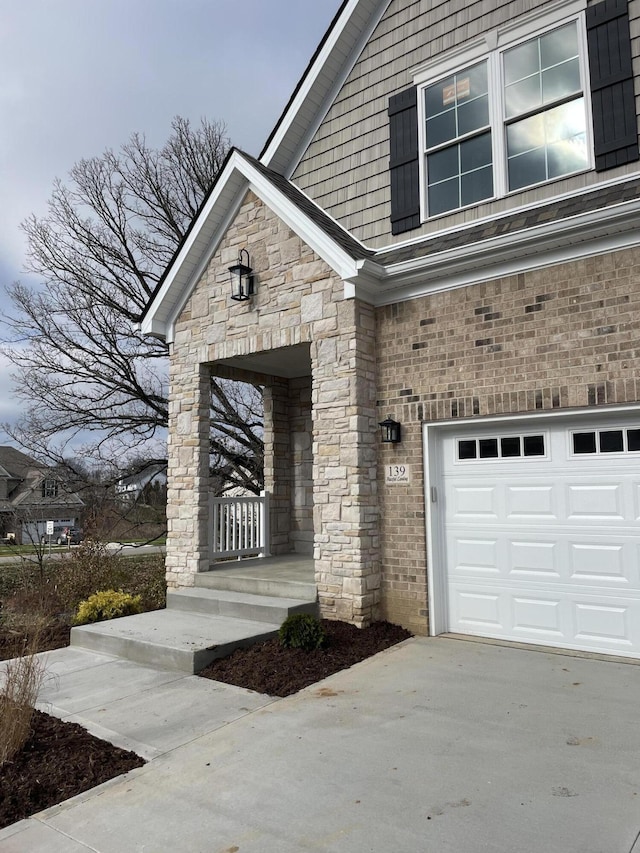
x=435, y=746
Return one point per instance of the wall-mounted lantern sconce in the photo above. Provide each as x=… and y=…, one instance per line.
x=390, y=431
x=241, y=278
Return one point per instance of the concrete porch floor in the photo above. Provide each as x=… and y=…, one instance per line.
x=283, y=567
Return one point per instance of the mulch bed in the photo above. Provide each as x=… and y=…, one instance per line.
x=62, y=759
x=58, y=761
x=269, y=668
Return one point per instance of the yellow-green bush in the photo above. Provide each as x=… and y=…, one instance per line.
x=107, y=604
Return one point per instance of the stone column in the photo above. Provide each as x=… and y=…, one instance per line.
x=277, y=462
x=188, y=473
x=344, y=471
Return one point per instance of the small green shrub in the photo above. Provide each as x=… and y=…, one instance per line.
x=302, y=631
x=107, y=604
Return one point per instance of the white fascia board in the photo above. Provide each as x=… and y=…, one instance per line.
x=322, y=83
x=581, y=236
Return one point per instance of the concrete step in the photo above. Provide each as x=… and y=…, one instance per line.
x=263, y=586
x=239, y=605
x=172, y=639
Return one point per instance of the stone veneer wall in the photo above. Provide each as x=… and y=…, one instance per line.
x=565, y=336
x=298, y=300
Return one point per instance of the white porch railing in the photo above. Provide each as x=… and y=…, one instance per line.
x=239, y=527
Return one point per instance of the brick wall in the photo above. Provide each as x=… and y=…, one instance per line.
x=566, y=336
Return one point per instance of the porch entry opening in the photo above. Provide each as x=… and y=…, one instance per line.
x=239, y=526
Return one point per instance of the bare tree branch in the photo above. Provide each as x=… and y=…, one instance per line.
x=80, y=366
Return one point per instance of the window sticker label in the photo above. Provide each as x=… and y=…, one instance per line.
x=461, y=89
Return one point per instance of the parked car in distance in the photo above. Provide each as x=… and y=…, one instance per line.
x=72, y=536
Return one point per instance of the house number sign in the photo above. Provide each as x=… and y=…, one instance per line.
x=395, y=475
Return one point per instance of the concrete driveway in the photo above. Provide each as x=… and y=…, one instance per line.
x=437, y=746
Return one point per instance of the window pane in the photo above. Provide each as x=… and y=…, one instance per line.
x=467, y=449
x=488, y=448
x=525, y=135
x=523, y=96
x=611, y=441
x=443, y=164
x=521, y=61
x=547, y=145
x=477, y=77
x=434, y=100
x=584, y=442
x=559, y=45
x=633, y=439
x=473, y=115
x=510, y=446
x=566, y=136
x=534, y=445
x=568, y=156
x=443, y=197
x=476, y=186
x=565, y=122
x=561, y=81
x=441, y=129
x=475, y=153
x=527, y=169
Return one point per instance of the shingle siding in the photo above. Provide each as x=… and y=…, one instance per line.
x=351, y=147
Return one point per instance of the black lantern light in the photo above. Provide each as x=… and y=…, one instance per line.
x=241, y=279
x=390, y=431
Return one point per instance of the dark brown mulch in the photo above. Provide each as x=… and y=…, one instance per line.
x=58, y=761
x=270, y=668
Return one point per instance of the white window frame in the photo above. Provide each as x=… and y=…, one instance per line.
x=491, y=49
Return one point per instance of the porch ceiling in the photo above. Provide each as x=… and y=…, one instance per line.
x=286, y=362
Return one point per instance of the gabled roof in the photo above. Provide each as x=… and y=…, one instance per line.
x=342, y=252
x=577, y=225
x=15, y=464
x=324, y=77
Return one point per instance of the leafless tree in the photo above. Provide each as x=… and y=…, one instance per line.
x=80, y=366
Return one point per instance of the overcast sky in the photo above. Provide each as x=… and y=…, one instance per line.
x=79, y=76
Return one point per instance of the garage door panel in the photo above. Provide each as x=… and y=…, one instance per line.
x=531, y=502
x=592, y=563
x=477, y=610
x=543, y=550
x=601, y=623
x=473, y=501
x=475, y=555
x=538, y=615
x=595, y=502
x=534, y=559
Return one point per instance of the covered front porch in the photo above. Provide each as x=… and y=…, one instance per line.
x=283, y=574
x=313, y=353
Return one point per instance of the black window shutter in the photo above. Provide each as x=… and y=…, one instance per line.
x=403, y=163
x=613, y=102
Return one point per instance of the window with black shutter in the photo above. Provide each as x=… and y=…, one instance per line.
x=516, y=117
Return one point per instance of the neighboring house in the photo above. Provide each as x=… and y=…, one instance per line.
x=31, y=494
x=150, y=480
x=444, y=229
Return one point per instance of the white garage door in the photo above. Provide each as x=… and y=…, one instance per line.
x=541, y=533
